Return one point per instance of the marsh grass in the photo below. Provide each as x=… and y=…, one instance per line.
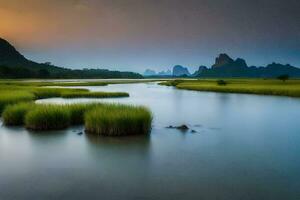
x=48, y=117
x=42, y=93
x=13, y=115
x=9, y=97
x=87, y=94
x=77, y=112
x=248, y=86
x=17, y=97
x=101, y=119
x=118, y=120
x=12, y=92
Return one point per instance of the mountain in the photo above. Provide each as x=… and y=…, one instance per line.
x=149, y=72
x=179, y=70
x=200, y=70
x=8, y=54
x=227, y=67
x=165, y=73
x=14, y=65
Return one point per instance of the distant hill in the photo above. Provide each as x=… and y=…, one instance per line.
x=14, y=65
x=149, y=73
x=228, y=68
x=179, y=70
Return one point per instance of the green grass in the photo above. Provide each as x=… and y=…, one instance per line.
x=17, y=98
x=102, y=119
x=13, y=115
x=249, y=86
x=87, y=94
x=12, y=93
x=9, y=97
x=48, y=117
x=42, y=92
x=77, y=112
x=118, y=120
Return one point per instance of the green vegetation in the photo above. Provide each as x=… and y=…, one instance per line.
x=48, y=117
x=118, y=120
x=87, y=94
x=42, y=92
x=77, y=112
x=249, y=86
x=13, y=92
x=16, y=114
x=13, y=115
x=103, y=119
x=221, y=82
x=9, y=97
x=283, y=77
x=17, y=101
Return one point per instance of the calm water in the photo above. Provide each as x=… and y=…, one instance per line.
x=246, y=147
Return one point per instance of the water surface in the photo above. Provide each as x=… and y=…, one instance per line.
x=245, y=147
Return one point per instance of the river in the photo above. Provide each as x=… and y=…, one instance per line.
x=242, y=147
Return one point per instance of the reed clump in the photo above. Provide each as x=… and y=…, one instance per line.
x=48, y=117
x=118, y=120
x=77, y=112
x=9, y=97
x=13, y=115
x=87, y=94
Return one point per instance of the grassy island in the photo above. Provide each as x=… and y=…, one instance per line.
x=18, y=109
x=248, y=86
x=118, y=120
x=101, y=119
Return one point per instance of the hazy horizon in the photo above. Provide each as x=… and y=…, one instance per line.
x=132, y=35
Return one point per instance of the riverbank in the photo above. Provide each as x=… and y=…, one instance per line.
x=30, y=90
x=248, y=86
x=19, y=109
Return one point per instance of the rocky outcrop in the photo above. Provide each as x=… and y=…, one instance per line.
x=223, y=60
x=179, y=70
x=200, y=70
x=226, y=67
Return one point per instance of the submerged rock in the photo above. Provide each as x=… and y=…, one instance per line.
x=80, y=133
x=182, y=127
x=193, y=131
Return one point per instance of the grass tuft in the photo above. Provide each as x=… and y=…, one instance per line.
x=118, y=120
x=48, y=117
x=13, y=115
x=87, y=94
x=9, y=97
x=77, y=112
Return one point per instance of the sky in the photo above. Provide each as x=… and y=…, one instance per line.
x=132, y=35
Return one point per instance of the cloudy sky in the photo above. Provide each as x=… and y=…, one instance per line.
x=138, y=34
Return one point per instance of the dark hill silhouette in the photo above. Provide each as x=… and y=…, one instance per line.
x=179, y=70
x=14, y=65
x=228, y=68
